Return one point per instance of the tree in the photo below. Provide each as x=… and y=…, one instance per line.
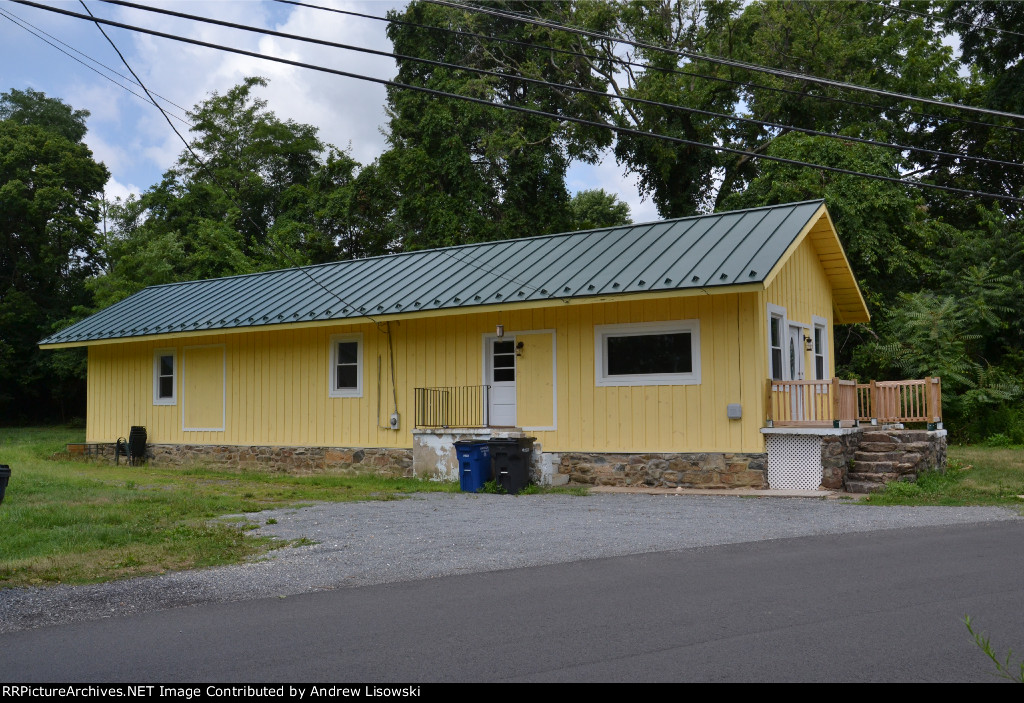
x=591, y=209
x=251, y=193
x=52, y=114
x=49, y=190
x=461, y=172
x=881, y=225
x=855, y=42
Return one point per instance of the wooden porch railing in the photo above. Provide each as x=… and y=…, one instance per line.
x=823, y=403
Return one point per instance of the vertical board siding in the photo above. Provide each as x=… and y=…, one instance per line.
x=278, y=380
x=803, y=289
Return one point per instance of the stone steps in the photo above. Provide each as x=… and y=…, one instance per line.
x=863, y=486
x=881, y=478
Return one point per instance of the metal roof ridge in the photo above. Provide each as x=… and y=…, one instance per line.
x=482, y=244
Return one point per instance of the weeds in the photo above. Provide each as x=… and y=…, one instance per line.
x=1004, y=669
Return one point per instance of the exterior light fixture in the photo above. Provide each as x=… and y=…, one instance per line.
x=499, y=331
x=808, y=343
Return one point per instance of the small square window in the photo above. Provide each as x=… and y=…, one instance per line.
x=165, y=369
x=346, y=371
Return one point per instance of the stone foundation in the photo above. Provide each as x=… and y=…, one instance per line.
x=837, y=451
x=291, y=460
x=689, y=470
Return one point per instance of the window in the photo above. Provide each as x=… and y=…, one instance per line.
x=346, y=372
x=820, y=348
x=165, y=370
x=504, y=360
x=776, y=330
x=647, y=354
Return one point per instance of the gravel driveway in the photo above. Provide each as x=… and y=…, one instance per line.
x=439, y=534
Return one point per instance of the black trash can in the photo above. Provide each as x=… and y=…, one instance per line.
x=474, y=464
x=5, y=476
x=510, y=462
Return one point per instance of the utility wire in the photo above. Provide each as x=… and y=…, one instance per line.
x=524, y=110
x=561, y=86
x=618, y=60
x=22, y=23
x=792, y=75
x=210, y=172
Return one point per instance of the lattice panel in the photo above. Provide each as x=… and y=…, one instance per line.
x=794, y=462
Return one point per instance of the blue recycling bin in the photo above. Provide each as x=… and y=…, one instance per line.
x=474, y=465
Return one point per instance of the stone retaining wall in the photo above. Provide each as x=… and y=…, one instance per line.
x=837, y=451
x=685, y=470
x=291, y=460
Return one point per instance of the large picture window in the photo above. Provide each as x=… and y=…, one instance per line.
x=165, y=373
x=346, y=370
x=647, y=354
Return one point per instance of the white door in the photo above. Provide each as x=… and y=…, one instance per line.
x=501, y=377
x=795, y=368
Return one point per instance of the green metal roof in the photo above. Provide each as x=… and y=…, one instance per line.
x=706, y=251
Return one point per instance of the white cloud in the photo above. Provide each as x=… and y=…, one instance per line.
x=115, y=189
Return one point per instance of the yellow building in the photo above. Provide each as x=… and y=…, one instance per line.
x=619, y=347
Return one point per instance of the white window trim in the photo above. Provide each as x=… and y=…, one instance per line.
x=820, y=322
x=157, y=400
x=779, y=312
x=332, y=390
x=603, y=332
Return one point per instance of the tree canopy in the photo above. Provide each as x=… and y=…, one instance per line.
x=50, y=190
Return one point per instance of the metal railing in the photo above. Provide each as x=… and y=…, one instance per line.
x=823, y=403
x=451, y=406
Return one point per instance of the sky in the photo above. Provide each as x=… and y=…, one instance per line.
x=133, y=139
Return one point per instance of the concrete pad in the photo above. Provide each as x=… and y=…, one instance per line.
x=733, y=492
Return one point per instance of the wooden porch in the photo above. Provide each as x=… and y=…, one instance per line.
x=839, y=403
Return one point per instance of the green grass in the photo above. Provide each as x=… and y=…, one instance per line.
x=976, y=476
x=67, y=521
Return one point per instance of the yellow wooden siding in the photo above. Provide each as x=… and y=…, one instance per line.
x=202, y=387
x=277, y=382
x=535, y=382
x=802, y=288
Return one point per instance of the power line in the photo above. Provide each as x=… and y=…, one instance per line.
x=22, y=23
x=618, y=60
x=576, y=89
x=212, y=175
x=524, y=110
x=792, y=75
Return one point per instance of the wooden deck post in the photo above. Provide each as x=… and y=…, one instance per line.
x=836, y=411
x=769, y=416
x=873, y=391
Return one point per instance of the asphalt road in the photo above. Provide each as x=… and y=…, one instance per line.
x=883, y=605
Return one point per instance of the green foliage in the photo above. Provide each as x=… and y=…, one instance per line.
x=1004, y=669
x=31, y=107
x=456, y=172
x=592, y=209
x=253, y=193
x=492, y=487
x=879, y=223
x=49, y=190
